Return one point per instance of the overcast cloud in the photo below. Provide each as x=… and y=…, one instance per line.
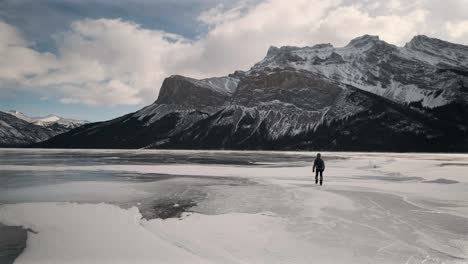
x=119, y=62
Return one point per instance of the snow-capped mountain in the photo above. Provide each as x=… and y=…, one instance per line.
x=18, y=129
x=54, y=122
x=424, y=70
x=18, y=132
x=368, y=95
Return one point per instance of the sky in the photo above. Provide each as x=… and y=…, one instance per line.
x=99, y=59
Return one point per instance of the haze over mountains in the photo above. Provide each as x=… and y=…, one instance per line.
x=368, y=95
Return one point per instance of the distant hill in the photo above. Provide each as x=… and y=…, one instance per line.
x=17, y=129
x=15, y=132
x=54, y=122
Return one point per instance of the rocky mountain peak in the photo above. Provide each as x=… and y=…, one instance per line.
x=272, y=51
x=190, y=92
x=323, y=46
x=364, y=41
x=436, y=51
x=421, y=41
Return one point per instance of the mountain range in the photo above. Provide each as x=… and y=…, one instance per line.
x=368, y=95
x=18, y=129
x=55, y=122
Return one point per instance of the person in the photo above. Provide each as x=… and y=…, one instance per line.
x=319, y=167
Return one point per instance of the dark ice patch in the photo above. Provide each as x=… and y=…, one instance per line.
x=452, y=164
x=442, y=181
x=12, y=243
x=168, y=208
x=390, y=178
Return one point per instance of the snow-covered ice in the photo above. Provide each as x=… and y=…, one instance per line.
x=86, y=233
x=249, y=207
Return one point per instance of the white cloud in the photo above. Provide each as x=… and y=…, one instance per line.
x=98, y=62
x=395, y=29
x=457, y=29
x=111, y=61
x=18, y=59
x=237, y=43
x=107, y=92
x=217, y=15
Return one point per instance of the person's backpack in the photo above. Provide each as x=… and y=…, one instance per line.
x=319, y=164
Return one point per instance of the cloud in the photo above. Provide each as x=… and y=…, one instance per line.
x=118, y=62
x=242, y=39
x=457, y=29
x=392, y=28
x=18, y=59
x=218, y=15
x=107, y=92
x=112, y=61
x=98, y=62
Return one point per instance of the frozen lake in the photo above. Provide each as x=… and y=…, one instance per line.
x=143, y=206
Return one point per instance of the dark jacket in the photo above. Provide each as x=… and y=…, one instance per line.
x=319, y=164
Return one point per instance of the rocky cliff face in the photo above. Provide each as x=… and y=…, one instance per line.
x=368, y=95
x=425, y=70
x=180, y=90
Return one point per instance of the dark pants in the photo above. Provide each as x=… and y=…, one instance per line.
x=317, y=172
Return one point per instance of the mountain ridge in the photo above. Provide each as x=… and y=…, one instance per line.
x=18, y=129
x=315, y=97
x=50, y=120
x=15, y=132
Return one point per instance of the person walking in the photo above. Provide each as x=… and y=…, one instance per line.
x=318, y=168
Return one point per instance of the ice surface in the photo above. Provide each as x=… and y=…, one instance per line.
x=83, y=191
x=250, y=207
x=86, y=233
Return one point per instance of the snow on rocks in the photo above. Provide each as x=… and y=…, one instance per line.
x=373, y=65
